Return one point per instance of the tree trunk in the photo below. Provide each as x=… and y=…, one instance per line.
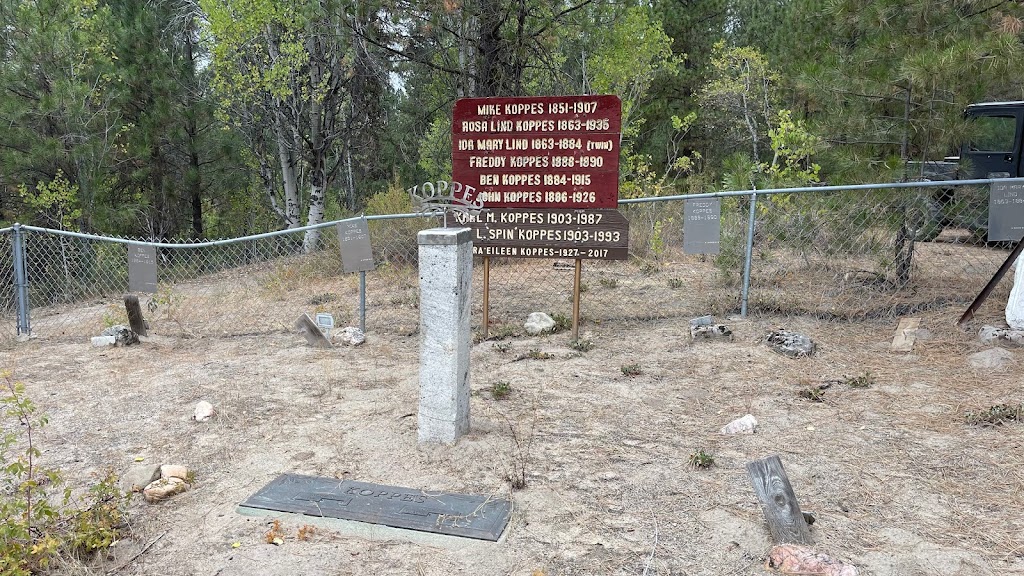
x=288, y=175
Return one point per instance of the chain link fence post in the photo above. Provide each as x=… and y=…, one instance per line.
x=21, y=282
x=749, y=254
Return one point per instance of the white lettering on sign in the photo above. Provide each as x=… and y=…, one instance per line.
x=487, y=161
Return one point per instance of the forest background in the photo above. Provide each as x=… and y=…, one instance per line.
x=170, y=119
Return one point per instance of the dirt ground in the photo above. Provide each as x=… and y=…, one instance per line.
x=899, y=483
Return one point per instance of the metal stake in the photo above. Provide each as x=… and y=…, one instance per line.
x=487, y=295
x=577, y=281
x=362, y=302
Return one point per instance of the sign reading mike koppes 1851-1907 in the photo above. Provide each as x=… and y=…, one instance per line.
x=600, y=234
x=539, y=152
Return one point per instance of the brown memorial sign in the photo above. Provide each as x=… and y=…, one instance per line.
x=539, y=152
x=601, y=234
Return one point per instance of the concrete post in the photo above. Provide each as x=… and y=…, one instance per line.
x=446, y=272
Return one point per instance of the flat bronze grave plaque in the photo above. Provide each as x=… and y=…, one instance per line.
x=480, y=517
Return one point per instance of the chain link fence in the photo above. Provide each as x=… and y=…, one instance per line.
x=835, y=253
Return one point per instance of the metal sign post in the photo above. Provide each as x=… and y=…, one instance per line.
x=357, y=256
x=487, y=295
x=577, y=281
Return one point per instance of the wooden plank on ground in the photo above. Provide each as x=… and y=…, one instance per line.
x=311, y=332
x=778, y=502
x=906, y=334
x=135, y=319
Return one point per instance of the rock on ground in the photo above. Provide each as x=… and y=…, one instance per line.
x=992, y=335
x=350, y=336
x=168, y=471
x=794, y=559
x=744, y=425
x=203, y=412
x=104, y=341
x=711, y=332
x=790, y=343
x=538, y=323
x=123, y=335
x=138, y=477
x=163, y=489
x=991, y=359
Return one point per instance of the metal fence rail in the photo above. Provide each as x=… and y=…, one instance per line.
x=842, y=252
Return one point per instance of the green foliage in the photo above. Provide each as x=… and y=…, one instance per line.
x=813, y=393
x=996, y=415
x=400, y=246
x=535, y=354
x=40, y=520
x=865, y=380
x=701, y=459
x=562, y=322
x=56, y=200
x=740, y=97
x=501, y=389
x=629, y=56
x=581, y=345
x=631, y=370
x=436, y=151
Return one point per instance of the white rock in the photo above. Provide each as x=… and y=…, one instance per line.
x=744, y=425
x=203, y=412
x=168, y=471
x=992, y=335
x=104, y=341
x=790, y=343
x=710, y=332
x=538, y=323
x=991, y=359
x=163, y=489
x=350, y=336
x=701, y=321
x=123, y=335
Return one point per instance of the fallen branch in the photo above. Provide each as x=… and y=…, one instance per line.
x=139, y=553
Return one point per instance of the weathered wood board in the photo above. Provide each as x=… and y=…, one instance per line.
x=906, y=335
x=778, y=501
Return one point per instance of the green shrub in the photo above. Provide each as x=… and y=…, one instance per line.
x=40, y=518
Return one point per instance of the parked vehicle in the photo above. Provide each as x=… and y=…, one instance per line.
x=994, y=150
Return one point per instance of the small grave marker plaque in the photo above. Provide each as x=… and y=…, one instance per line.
x=354, y=240
x=480, y=517
x=142, y=269
x=325, y=322
x=702, y=226
x=1006, y=211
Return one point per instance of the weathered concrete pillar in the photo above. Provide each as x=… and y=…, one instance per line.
x=446, y=271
